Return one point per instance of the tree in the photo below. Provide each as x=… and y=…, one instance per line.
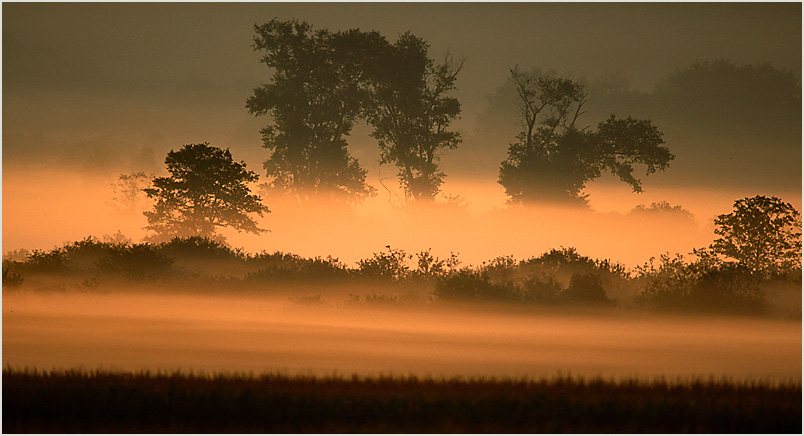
x=314, y=97
x=762, y=234
x=411, y=112
x=554, y=158
x=206, y=190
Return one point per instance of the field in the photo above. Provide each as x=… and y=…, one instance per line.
x=90, y=402
x=183, y=337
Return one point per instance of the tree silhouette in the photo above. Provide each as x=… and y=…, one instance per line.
x=206, y=190
x=411, y=111
x=554, y=158
x=762, y=234
x=314, y=97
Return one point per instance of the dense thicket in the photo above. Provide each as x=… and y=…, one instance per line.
x=558, y=277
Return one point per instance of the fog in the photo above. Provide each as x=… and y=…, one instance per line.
x=43, y=209
x=247, y=333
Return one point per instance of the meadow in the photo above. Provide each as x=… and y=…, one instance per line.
x=98, y=401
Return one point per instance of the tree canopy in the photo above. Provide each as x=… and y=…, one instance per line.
x=323, y=82
x=411, y=110
x=206, y=190
x=762, y=234
x=554, y=158
x=314, y=97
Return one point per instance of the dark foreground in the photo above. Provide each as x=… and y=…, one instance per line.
x=101, y=402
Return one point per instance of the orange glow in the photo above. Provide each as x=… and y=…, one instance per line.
x=43, y=209
x=133, y=331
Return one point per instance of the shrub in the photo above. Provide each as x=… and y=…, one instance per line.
x=563, y=263
x=285, y=266
x=198, y=247
x=429, y=266
x=54, y=261
x=540, y=289
x=705, y=284
x=137, y=261
x=500, y=269
x=389, y=265
x=586, y=288
x=470, y=285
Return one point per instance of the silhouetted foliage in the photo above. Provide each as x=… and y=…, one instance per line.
x=469, y=285
x=563, y=263
x=536, y=280
x=104, y=402
x=539, y=288
x=199, y=247
x=41, y=261
x=391, y=265
x=137, y=261
x=429, y=266
x=411, y=111
x=285, y=266
x=554, y=158
x=586, y=288
x=314, y=97
x=206, y=189
x=558, y=277
x=763, y=234
x=705, y=285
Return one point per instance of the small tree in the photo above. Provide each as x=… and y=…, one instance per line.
x=206, y=190
x=763, y=234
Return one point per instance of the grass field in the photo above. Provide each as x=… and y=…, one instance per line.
x=114, y=402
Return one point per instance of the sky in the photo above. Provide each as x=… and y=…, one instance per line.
x=94, y=90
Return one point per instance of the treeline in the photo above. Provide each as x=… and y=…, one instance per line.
x=558, y=277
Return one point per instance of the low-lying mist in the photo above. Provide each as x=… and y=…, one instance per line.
x=194, y=330
x=45, y=208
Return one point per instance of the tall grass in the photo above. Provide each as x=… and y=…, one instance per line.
x=99, y=401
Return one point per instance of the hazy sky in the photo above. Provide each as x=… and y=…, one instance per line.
x=105, y=77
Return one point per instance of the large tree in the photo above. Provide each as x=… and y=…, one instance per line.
x=314, y=96
x=762, y=234
x=206, y=190
x=411, y=111
x=554, y=158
